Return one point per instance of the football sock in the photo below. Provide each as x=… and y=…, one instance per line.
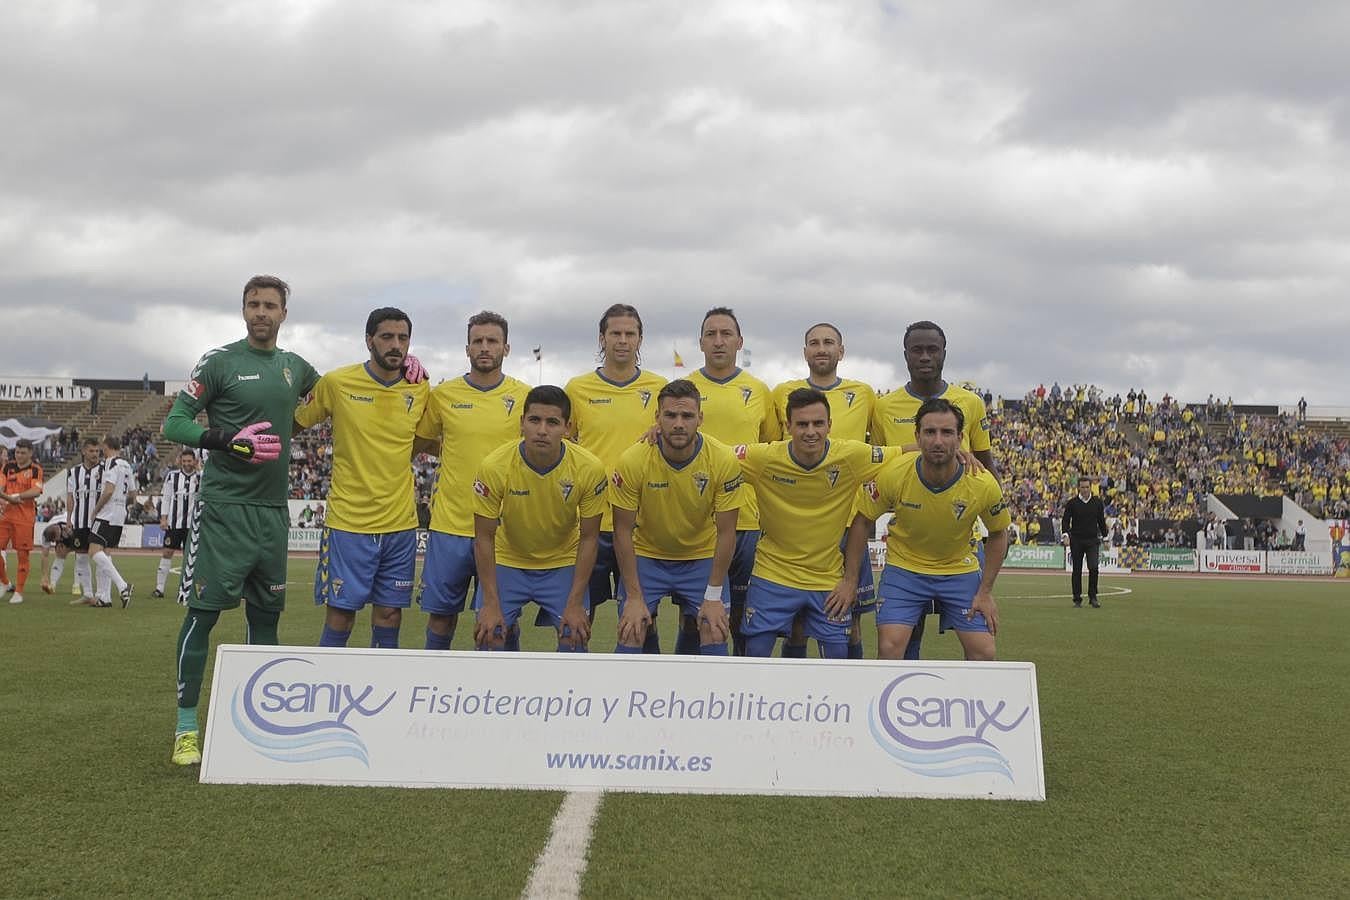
x=82, y=575
x=620, y=648
x=512, y=640
x=567, y=648
x=22, y=580
x=760, y=644
x=58, y=567
x=384, y=636
x=194, y=640
x=187, y=719
x=687, y=642
x=794, y=651
x=162, y=574
x=738, y=645
x=713, y=649
x=652, y=643
x=833, y=649
x=915, y=640
x=439, y=641
x=261, y=625
x=109, y=571
x=855, y=651
x=333, y=638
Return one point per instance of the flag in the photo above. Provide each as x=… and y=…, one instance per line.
x=679, y=363
x=35, y=430
x=538, y=353
x=745, y=358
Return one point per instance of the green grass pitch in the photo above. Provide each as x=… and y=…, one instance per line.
x=1196, y=739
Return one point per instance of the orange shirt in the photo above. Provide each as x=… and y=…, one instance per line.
x=18, y=480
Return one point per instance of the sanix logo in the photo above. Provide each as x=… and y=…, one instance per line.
x=296, y=719
x=931, y=732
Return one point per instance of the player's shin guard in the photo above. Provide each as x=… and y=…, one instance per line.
x=334, y=638
x=833, y=649
x=162, y=574
x=713, y=649
x=760, y=644
x=194, y=640
x=439, y=641
x=262, y=625
x=384, y=636
x=652, y=643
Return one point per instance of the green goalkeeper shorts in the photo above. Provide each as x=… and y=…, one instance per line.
x=234, y=553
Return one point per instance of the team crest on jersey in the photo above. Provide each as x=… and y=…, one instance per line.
x=645, y=397
x=336, y=586
x=286, y=373
x=408, y=402
x=481, y=489
x=959, y=507
x=509, y=403
x=566, y=488
x=701, y=480
x=850, y=396
x=872, y=491
x=200, y=585
x=832, y=473
x=746, y=393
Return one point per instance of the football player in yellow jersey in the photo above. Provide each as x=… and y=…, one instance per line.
x=737, y=409
x=675, y=504
x=537, y=509
x=807, y=488
x=368, y=552
x=470, y=416
x=612, y=409
x=935, y=501
x=851, y=404
x=925, y=349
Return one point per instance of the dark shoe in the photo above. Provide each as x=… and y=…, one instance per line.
x=1078, y=604
x=1094, y=604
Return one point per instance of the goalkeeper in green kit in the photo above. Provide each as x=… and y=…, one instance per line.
x=237, y=543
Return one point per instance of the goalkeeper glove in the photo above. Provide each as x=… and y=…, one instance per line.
x=249, y=444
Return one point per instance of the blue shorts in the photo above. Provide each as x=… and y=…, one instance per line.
x=446, y=573
x=742, y=564
x=546, y=587
x=605, y=574
x=684, y=581
x=907, y=596
x=770, y=608
x=356, y=569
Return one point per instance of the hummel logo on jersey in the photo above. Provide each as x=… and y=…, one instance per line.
x=645, y=397
x=959, y=507
x=832, y=473
x=249, y=377
x=850, y=396
x=599, y=487
x=509, y=403
x=360, y=398
x=745, y=396
x=701, y=480
x=566, y=487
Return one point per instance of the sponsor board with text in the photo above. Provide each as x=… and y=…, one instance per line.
x=600, y=721
x=1249, y=561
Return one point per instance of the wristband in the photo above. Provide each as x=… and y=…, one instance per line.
x=712, y=592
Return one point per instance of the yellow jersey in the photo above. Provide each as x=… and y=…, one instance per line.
x=675, y=503
x=374, y=425
x=609, y=417
x=851, y=404
x=539, y=513
x=931, y=525
x=893, y=417
x=738, y=410
x=803, y=511
x=470, y=422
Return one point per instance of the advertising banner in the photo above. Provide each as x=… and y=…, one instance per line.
x=1249, y=561
x=670, y=724
x=1172, y=559
x=33, y=390
x=1288, y=562
x=1034, y=556
x=152, y=537
x=302, y=540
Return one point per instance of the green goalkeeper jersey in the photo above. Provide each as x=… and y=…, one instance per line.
x=238, y=385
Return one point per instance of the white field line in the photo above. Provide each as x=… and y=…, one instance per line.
x=558, y=870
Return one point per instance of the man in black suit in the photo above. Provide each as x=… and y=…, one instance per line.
x=1083, y=527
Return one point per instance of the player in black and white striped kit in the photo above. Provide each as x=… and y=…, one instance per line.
x=84, y=482
x=110, y=514
x=175, y=511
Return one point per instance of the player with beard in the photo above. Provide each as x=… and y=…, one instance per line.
x=469, y=416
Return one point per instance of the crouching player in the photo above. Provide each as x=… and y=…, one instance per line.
x=675, y=506
x=537, y=510
x=935, y=500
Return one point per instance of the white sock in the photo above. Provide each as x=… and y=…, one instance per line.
x=58, y=566
x=82, y=577
x=109, y=573
x=162, y=574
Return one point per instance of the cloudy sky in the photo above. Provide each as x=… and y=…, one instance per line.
x=1128, y=193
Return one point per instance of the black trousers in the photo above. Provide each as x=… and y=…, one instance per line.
x=1077, y=550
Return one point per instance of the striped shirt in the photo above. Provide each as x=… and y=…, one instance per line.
x=180, y=492
x=82, y=489
x=117, y=472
